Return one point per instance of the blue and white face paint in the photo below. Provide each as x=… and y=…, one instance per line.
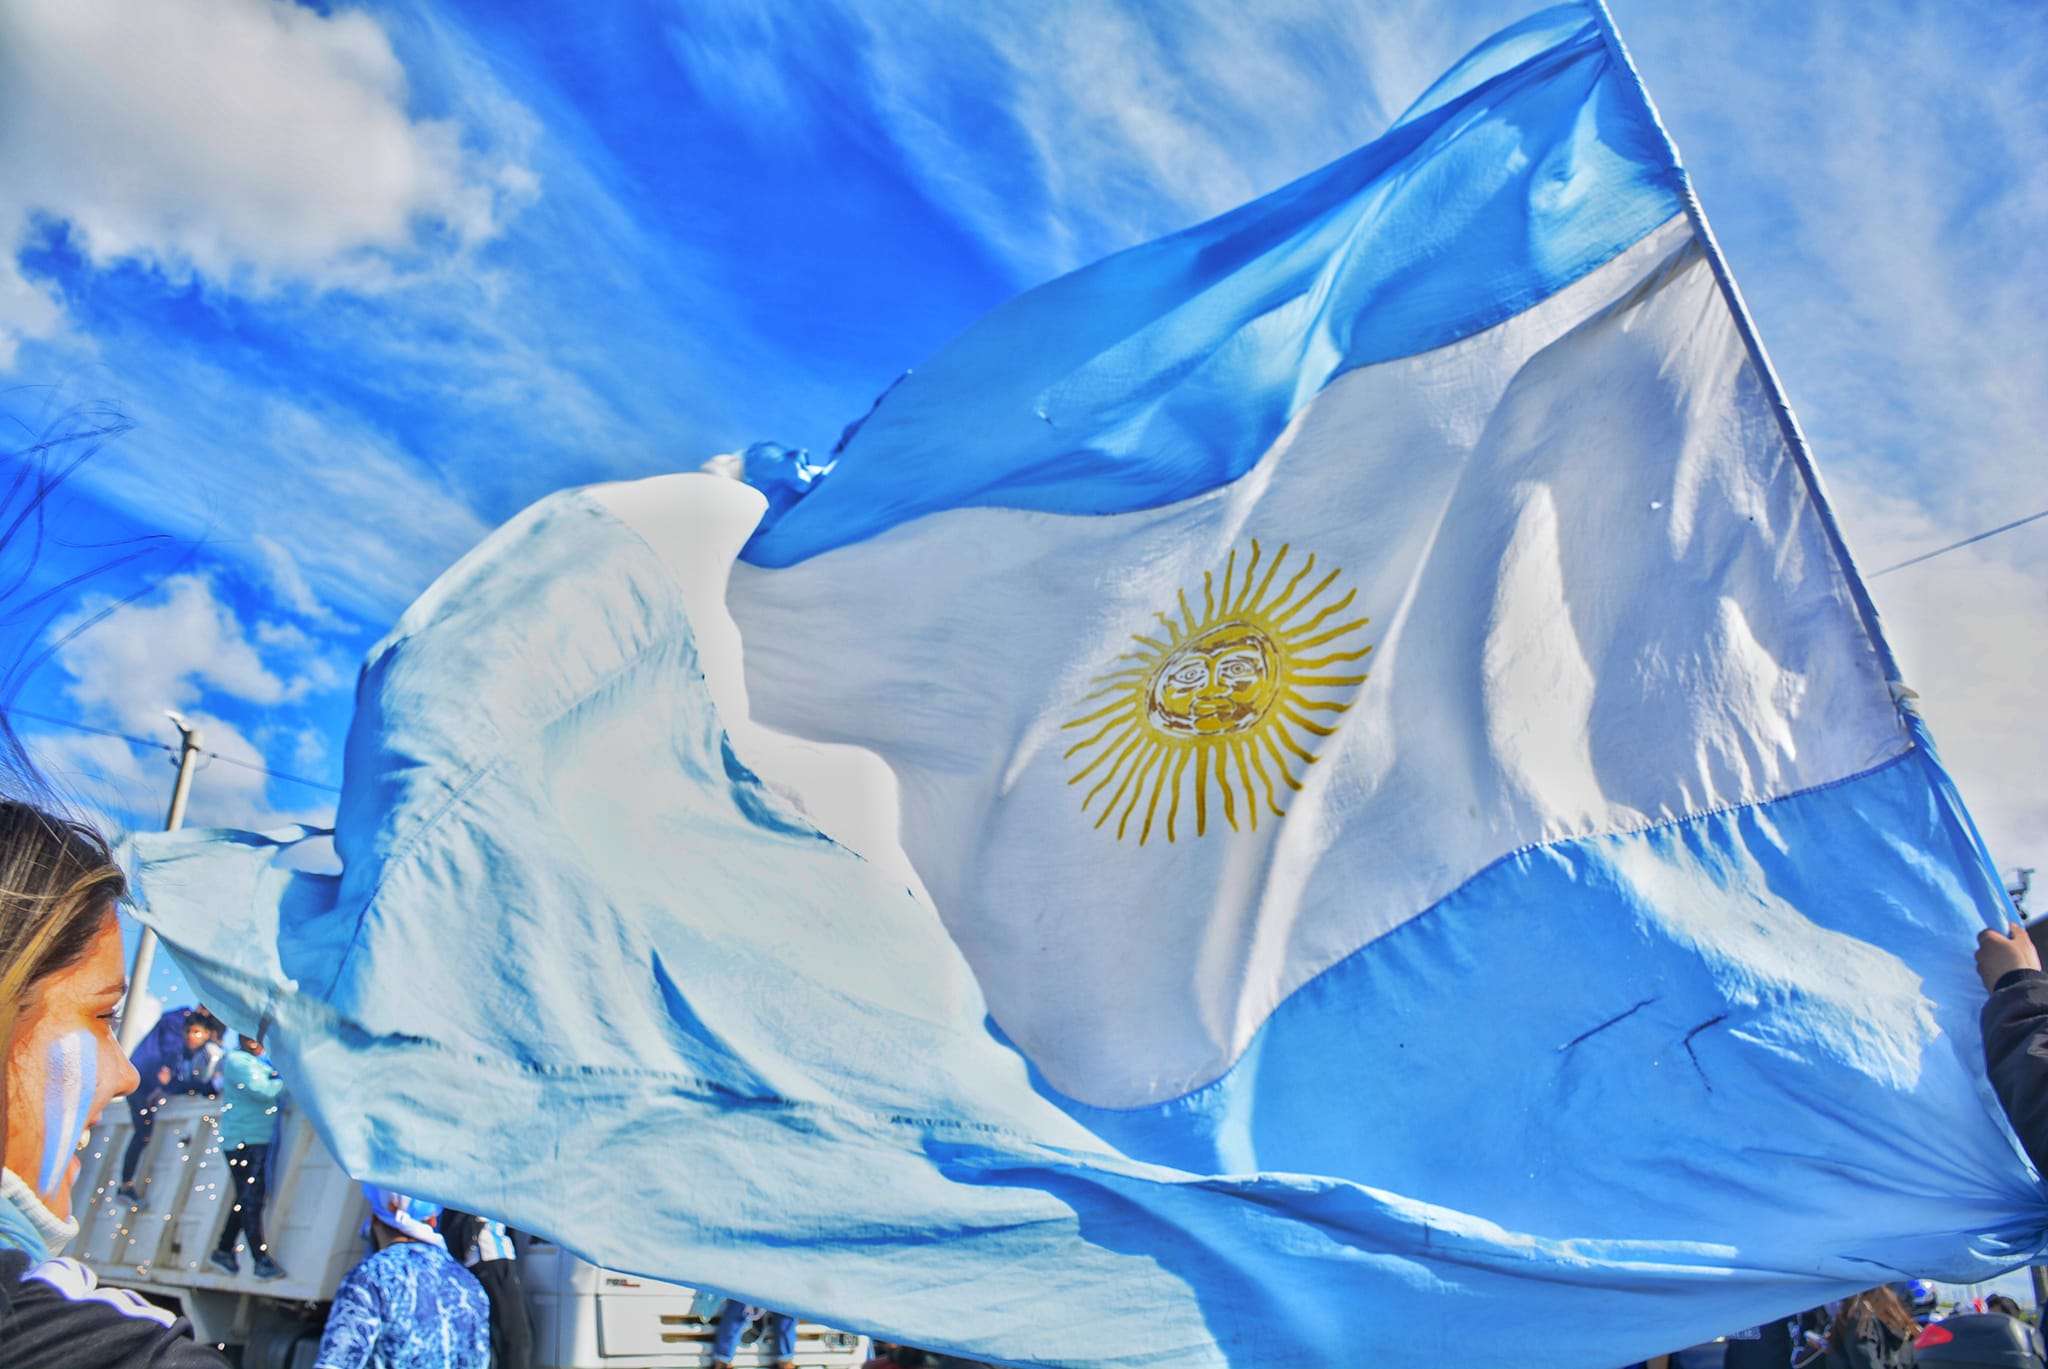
x=71, y=1077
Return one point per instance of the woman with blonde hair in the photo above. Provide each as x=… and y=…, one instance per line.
x=61, y=985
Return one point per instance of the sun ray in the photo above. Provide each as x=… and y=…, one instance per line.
x=1187, y=616
x=1288, y=593
x=1147, y=641
x=1118, y=749
x=1152, y=807
x=1101, y=712
x=1319, y=705
x=1109, y=749
x=1329, y=681
x=1334, y=606
x=1286, y=774
x=1172, y=629
x=1136, y=763
x=1280, y=620
x=1334, y=657
x=1152, y=757
x=1303, y=721
x=1286, y=739
x=1114, y=687
x=1265, y=584
x=1180, y=767
x=1333, y=633
x=1259, y=764
x=1251, y=795
x=1125, y=720
x=1251, y=569
x=1223, y=783
x=1201, y=790
x=1208, y=596
x=1133, y=748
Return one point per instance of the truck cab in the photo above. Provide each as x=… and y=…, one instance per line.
x=584, y=1317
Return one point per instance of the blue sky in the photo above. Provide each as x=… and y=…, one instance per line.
x=368, y=279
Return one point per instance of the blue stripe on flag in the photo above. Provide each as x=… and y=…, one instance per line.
x=1168, y=369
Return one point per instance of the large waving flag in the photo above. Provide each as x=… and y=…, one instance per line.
x=1428, y=859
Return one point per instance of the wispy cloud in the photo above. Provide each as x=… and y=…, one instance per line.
x=1064, y=131
x=249, y=142
x=1875, y=177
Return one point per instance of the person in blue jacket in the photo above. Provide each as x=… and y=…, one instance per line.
x=178, y=1056
x=250, y=1088
x=408, y=1305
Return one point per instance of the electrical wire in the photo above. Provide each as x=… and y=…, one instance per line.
x=1957, y=546
x=151, y=742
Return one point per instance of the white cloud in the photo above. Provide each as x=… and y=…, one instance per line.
x=256, y=142
x=1874, y=175
x=178, y=646
x=289, y=584
x=1127, y=127
x=1967, y=628
x=163, y=652
x=181, y=648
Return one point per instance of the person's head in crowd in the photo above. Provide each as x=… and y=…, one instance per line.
x=61, y=985
x=1879, y=1304
x=1999, y=1302
x=197, y=1033
x=250, y=1044
x=401, y=1218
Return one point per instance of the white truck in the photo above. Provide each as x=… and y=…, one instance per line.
x=583, y=1317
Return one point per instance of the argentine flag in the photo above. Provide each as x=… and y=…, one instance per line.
x=1425, y=855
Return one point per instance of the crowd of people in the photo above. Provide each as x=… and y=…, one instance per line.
x=418, y=1299
x=1875, y=1329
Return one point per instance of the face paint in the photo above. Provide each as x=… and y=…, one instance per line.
x=70, y=1079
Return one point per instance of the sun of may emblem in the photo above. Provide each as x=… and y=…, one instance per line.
x=1229, y=693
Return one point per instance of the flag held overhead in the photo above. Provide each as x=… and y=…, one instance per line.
x=1422, y=849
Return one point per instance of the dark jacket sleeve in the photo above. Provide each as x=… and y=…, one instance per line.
x=56, y=1316
x=2016, y=1056
x=458, y=1230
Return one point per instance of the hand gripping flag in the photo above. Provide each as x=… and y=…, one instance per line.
x=1426, y=858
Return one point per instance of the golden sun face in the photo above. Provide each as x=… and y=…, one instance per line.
x=1233, y=690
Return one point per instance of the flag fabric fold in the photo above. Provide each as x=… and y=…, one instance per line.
x=1423, y=859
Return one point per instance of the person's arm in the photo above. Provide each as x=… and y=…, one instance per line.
x=56, y=1316
x=2015, y=1021
x=353, y=1324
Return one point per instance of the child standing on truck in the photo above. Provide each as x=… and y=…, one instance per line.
x=178, y=1056
x=250, y=1088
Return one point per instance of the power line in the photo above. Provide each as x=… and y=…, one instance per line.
x=152, y=743
x=1956, y=546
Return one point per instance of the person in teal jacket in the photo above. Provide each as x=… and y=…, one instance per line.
x=249, y=1091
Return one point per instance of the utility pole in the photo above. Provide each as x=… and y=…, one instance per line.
x=132, y=1025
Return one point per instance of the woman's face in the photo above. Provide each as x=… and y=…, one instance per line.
x=64, y=1065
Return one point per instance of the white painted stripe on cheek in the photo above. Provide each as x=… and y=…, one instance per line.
x=67, y=1093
